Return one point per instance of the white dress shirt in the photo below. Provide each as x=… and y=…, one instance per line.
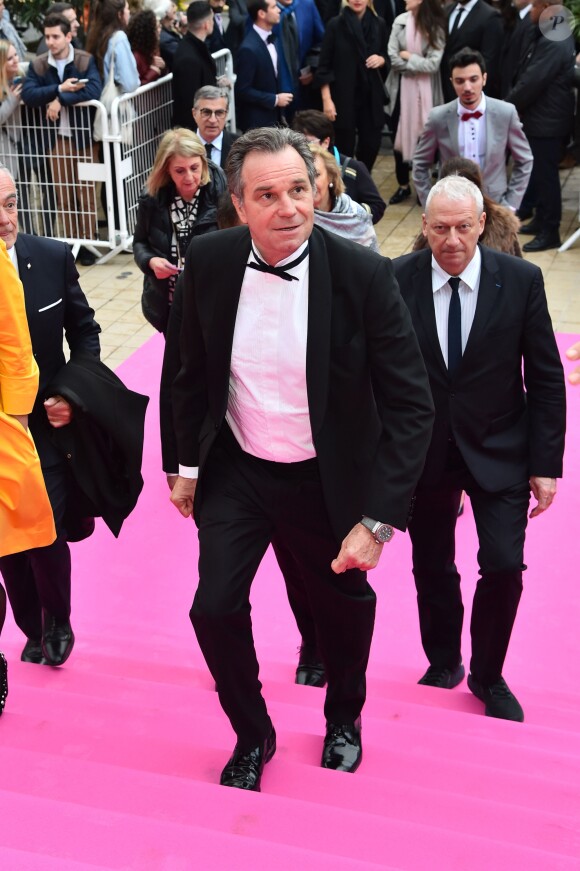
x=267, y=407
x=216, y=147
x=264, y=34
x=466, y=7
x=472, y=136
x=468, y=292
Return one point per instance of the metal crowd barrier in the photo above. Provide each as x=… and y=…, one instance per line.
x=83, y=192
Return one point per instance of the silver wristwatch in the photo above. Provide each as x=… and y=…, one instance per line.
x=381, y=532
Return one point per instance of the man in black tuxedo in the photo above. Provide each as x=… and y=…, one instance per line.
x=193, y=65
x=258, y=103
x=477, y=25
x=480, y=317
x=313, y=435
x=38, y=581
x=210, y=113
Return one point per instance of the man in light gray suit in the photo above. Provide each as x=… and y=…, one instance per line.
x=477, y=127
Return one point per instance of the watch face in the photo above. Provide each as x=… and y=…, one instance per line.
x=384, y=533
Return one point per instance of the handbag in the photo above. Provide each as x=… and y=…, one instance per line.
x=109, y=93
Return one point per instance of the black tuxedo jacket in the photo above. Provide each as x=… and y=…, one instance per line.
x=482, y=30
x=256, y=85
x=55, y=304
x=227, y=142
x=507, y=424
x=370, y=407
x=193, y=67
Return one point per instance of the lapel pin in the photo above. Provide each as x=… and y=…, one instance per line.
x=28, y=265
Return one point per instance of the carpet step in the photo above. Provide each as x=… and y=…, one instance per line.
x=294, y=809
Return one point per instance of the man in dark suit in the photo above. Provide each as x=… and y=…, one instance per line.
x=258, y=103
x=38, y=581
x=473, y=24
x=210, y=113
x=480, y=317
x=315, y=435
x=193, y=65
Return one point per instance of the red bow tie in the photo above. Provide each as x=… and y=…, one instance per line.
x=467, y=115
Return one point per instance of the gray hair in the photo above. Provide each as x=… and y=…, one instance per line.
x=456, y=188
x=211, y=92
x=6, y=171
x=269, y=140
x=160, y=8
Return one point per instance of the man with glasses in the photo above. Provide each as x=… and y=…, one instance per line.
x=210, y=113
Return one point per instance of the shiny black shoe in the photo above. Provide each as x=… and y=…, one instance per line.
x=531, y=229
x=57, y=640
x=32, y=652
x=3, y=682
x=444, y=678
x=342, y=749
x=310, y=671
x=86, y=257
x=244, y=770
x=400, y=195
x=499, y=700
x=543, y=242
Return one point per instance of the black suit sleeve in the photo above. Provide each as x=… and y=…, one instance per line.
x=81, y=329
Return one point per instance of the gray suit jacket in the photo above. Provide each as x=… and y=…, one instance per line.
x=503, y=132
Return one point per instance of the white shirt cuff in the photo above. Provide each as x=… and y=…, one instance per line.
x=188, y=471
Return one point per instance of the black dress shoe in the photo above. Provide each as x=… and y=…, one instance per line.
x=342, y=749
x=85, y=257
x=543, y=242
x=32, y=652
x=3, y=682
x=400, y=195
x=57, y=640
x=445, y=678
x=310, y=671
x=524, y=214
x=244, y=770
x=531, y=229
x=499, y=700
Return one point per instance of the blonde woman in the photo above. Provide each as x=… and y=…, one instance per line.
x=180, y=202
x=11, y=75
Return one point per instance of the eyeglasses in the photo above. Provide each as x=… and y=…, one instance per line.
x=207, y=113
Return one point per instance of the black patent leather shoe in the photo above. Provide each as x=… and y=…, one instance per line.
x=531, y=229
x=244, y=770
x=543, y=242
x=342, y=749
x=444, y=678
x=499, y=700
x=57, y=640
x=32, y=652
x=400, y=195
x=3, y=682
x=310, y=671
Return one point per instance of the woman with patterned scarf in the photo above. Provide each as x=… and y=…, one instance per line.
x=180, y=202
x=352, y=69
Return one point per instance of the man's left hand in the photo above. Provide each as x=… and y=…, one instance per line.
x=544, y=490
x=359, y=550
x=58, y=411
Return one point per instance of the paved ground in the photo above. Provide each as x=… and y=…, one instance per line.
x=114, y=289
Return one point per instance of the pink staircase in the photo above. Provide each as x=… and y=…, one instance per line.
x=112, y=761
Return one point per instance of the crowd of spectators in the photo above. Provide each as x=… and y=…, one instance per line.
x=346, y=74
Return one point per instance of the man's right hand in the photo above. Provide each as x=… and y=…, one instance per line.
x=182, y=495
x=283, y=100
x=71, y=86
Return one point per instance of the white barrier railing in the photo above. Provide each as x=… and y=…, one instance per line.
x=65, y=187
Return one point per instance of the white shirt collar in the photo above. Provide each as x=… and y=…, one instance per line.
x=216, y=143
x=263, y=34
x=67, y=60
x=467, y=7
x=286, y=260
x=469, y=276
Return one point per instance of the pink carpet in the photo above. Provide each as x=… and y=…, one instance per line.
x=112, y=761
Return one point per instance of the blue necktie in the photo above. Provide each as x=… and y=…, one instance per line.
x=454, y=352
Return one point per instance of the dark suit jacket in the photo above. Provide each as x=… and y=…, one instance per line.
x=505, y=428
x=256, y=85
x=193, y=67
x=55, y=304
x=482, y=30
x=227, y=142
x=370, y=408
